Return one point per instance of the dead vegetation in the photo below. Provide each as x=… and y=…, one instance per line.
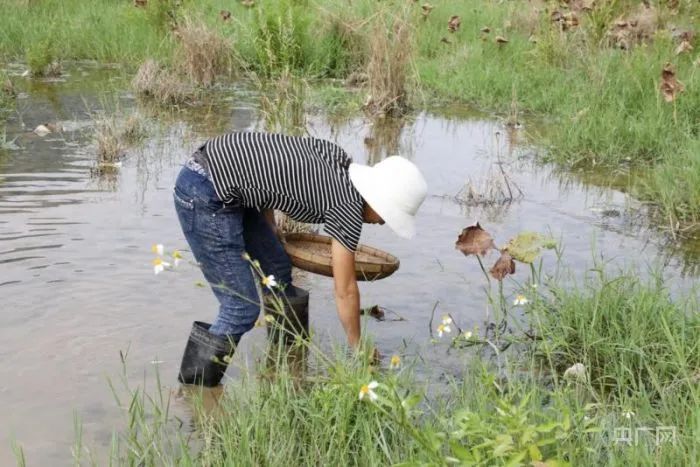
x=202, y=54
x=162, y=85
x=113, y=135
x=634, y=28
x=390, y=52
x=384, y=138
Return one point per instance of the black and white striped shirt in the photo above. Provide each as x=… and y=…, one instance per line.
x=306, y=178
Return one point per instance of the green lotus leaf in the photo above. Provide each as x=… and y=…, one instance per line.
x=527, y=246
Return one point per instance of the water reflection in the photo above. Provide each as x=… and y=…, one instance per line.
x=75, y=257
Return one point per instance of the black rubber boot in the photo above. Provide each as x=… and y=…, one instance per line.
x=206, y=356
x=294, y=319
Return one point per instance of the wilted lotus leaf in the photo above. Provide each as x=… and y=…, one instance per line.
x=526, y=246
x=486, y=29
x=454, y=23
x=501, y=40
x=139, y=3
x=634, y=28
x=683, y=47
x=686, y=44
x=504, y=266
x=670, y=86
x=474, y=241
x=565, y=21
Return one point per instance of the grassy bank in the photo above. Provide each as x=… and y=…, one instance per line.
x=612, y=354
x=603, y=103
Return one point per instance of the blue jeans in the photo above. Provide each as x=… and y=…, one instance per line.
x=218, y=236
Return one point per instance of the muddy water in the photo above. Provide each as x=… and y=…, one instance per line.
x=77, y=287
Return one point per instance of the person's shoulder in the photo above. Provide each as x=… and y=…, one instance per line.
x=333, y=151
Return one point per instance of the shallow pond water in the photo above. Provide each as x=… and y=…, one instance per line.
x=77, y=285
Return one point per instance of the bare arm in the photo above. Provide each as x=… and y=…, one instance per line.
x=347, y=294
x=270, y=216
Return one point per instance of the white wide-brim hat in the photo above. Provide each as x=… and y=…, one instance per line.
x=394, y=188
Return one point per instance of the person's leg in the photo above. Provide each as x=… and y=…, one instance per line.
x=215, y=236
x=262, y=244
x=217, y=243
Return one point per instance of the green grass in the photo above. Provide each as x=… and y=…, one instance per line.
x=640, y=350
x=602, y=104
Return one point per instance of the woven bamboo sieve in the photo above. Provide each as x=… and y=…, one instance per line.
x=312, y=252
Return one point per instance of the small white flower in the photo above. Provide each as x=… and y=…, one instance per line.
x=159, y=266
x=446, y=320
x=269, y=281
x=629, y=414
x=395, y=363
x=158, y=249
x=177, y=257
x=443, y=329
x=367, y=390
x=520, y=300
x=467, y=335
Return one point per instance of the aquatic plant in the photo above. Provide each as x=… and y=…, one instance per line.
x=201, y=54
x=41, y=59
x=390, y=54
x=7, y=97
x=162, y=85
x=527, y=411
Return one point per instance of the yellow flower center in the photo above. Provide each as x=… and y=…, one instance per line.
x=157, y=262
x=364, y=389
x=395, y=360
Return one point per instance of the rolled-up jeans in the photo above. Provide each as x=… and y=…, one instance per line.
x=218, y=236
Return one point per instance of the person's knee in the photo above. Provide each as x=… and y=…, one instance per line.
x=236, y=318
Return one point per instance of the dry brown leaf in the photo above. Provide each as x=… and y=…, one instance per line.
x=248, y=3
x=570, y=20
x=474, y=241
x=427, y=8
x=225, y=15
x=683, y=47
x=565, y=21
x=501, y=40
x=686, y=42
x=445, y=40
x=486, y=29
x=634, y=28
x=670, y=87
x=140, y=3
x=504, y=265
x=454, y=23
